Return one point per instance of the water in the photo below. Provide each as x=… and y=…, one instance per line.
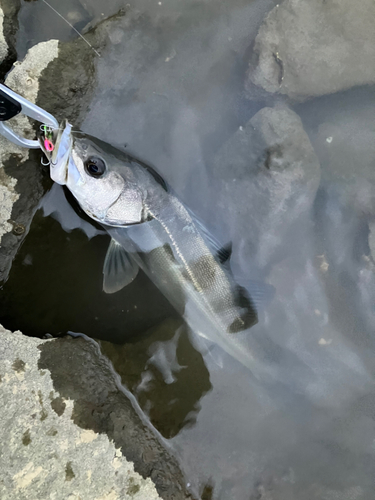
x=170, y=86
x=39, y=23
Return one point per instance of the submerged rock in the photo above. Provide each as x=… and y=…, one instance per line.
x=269, y=179
x=271, y=169
x=371, y=239
x=68, y=427
x=307, y=48
x=342, y=130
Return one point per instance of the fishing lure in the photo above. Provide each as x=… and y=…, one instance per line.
x=48, y=136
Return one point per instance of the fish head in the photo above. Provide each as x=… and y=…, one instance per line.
x=100, y=177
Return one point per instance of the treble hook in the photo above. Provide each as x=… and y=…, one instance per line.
x=45, y=164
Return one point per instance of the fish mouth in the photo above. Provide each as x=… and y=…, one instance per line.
x=57, y=146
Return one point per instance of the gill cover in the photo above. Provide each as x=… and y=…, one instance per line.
x=110, y=193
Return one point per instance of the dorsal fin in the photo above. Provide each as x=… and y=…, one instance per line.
x=225, y=253
x=221, y=252
x=159, y=179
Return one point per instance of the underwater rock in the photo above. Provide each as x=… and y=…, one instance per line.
x=67, y=427
x=20, y=171
x=371, y=239
x=308, y=48
x=270, y=167
x=345, y=261
x=342, y=129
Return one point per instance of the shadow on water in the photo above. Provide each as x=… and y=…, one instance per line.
x=166, y=373
x=55, y=286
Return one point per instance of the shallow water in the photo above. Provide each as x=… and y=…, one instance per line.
x=170, y=88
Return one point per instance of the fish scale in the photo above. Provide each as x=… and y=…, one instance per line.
x=157, y=233
x=207, y=284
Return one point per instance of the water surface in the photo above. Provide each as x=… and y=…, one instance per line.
x=170, y=88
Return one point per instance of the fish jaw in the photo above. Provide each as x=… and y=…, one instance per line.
x=59, y=161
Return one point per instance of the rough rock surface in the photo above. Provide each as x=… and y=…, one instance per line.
x=62, y=85
x=342, y=129
x=66, y=427
x=271, y=167
x=371, y=239
x=44, y=454
x=20, y=179
x=307, y=48
x=67, y=83
x=3, y=43
x=8, y=29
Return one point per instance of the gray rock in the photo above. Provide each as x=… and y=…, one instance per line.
x=20, y=179
x=9, y=27
x=270, y=168
x=3, y=43
x=68, y=430
x=341, y=129
x=347, y=269
x=307, y=48
x=62, y=85
x=66, y=85
x=269, y=178
x=371, y=239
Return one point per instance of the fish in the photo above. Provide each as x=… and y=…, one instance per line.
x=152, y=230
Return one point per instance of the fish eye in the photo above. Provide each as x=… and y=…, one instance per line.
x=95, y=166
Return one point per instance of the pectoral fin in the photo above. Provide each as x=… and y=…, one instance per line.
x=119, y=268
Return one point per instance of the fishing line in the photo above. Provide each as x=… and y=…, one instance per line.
x=73, y=28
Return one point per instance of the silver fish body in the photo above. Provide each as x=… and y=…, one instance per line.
x=159, y=235
x=174, y=254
